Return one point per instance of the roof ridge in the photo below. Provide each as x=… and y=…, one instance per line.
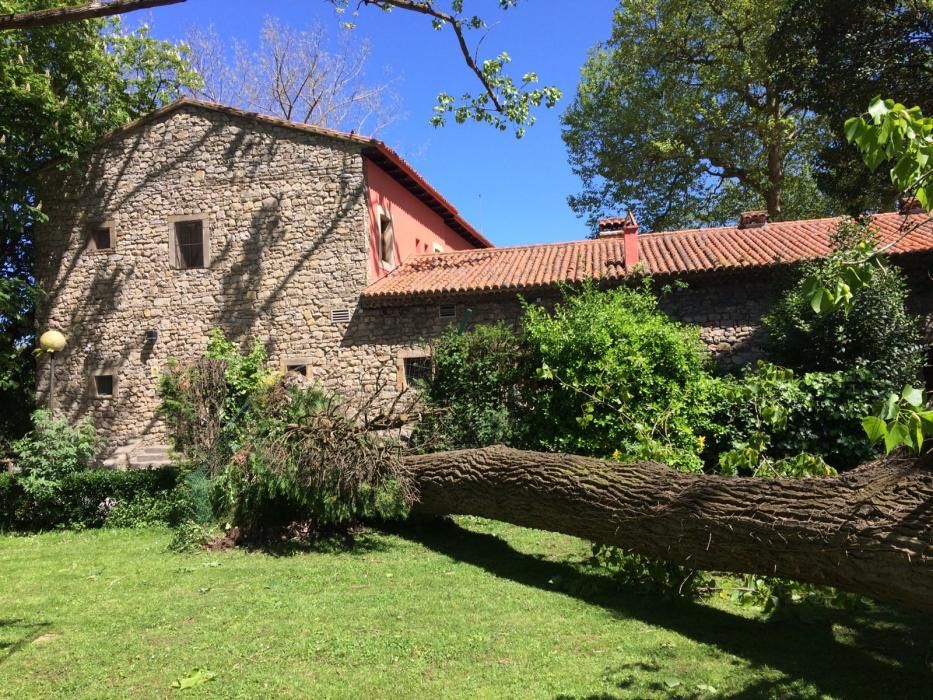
x=522, y=246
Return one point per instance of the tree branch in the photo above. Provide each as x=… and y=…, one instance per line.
x=61, y=15
x=425, y=8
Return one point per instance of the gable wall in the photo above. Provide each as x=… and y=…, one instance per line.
x=416, y=226
x=288, y=219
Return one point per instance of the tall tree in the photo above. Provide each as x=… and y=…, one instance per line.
x=835, y=57
x=61, y=87
x=295, y=75
x=678, y=116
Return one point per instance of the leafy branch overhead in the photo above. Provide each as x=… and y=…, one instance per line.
x=904, y=419
x=501, y=103
x=892, y=132
x=887, y=132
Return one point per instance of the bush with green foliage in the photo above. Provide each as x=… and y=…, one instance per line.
x=54, y=449
x=306, y=456
x=473, y=398
x=207, y=404
x=873, y=329
x=94, y=498
x=616, y=377
x=779, y=415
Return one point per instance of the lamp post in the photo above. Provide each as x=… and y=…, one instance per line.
x=52, y=342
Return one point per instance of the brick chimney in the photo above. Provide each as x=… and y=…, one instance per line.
x=910, y=205
x=626, y=227
x=753, y=219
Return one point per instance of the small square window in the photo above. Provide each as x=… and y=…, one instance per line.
x=103, y=384
x=418, y=370
x=189, y=244
x=447, y=311
x=100, y=238
x=297, y=369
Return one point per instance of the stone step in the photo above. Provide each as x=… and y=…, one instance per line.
x=135, y=456
x=151, y=454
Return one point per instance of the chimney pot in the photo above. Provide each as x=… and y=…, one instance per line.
x=618, y=226
x=753, y=219
x=625, y=227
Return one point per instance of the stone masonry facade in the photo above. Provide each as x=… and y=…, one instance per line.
x=286, y=223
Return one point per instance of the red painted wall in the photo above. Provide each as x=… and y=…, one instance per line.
x=417, y=228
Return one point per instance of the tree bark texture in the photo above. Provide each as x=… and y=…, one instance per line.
x=73, y=13
x=869, y=531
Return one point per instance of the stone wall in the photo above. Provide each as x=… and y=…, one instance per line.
x=287, y=217
x=728, y=309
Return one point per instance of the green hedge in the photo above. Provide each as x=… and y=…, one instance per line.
x=97, y=497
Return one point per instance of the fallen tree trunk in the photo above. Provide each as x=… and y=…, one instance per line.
x=869, y=531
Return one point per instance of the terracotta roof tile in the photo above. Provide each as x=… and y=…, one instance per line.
x=529, y=267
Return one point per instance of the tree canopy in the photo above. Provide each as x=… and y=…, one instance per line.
x=836, y=57
x=61, y=87
x=693, y=111
x=677, y=115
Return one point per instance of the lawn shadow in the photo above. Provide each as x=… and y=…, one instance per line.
x=358, y=542
x=887, y=653
x=16, y=634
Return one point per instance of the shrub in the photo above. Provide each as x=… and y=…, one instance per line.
x=615, y=376
x=875, y=331
x=307, y=457
x=473, y=395
x=820, y=413
x=191, y=536
x=53, y=449
x=206, y=404
x=90, y=498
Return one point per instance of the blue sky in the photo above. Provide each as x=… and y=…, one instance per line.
x=515, y=191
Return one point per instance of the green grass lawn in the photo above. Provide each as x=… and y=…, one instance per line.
x=477, y=609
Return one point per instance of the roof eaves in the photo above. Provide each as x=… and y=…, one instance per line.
x=396, y=160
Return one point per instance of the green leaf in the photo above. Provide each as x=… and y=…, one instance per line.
x=877, y=109
x=198, y=677
x=875, y=428
x=853, y=127
x=915, y=429
x=817, y=300
x=913, y=396
x=926, y=418
x=889, y=408
x=897, y=435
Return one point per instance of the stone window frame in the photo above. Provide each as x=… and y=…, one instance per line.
x=103, y=371
x=293, y=361
x=386, y=230
x=205, y=239
x=91, y=243
x=409, y=354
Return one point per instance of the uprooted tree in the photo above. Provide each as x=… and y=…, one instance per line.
x=869, y=531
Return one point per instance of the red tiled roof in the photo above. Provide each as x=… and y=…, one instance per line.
x=667, y=253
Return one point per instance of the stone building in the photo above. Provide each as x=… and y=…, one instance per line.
x=340, y=258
